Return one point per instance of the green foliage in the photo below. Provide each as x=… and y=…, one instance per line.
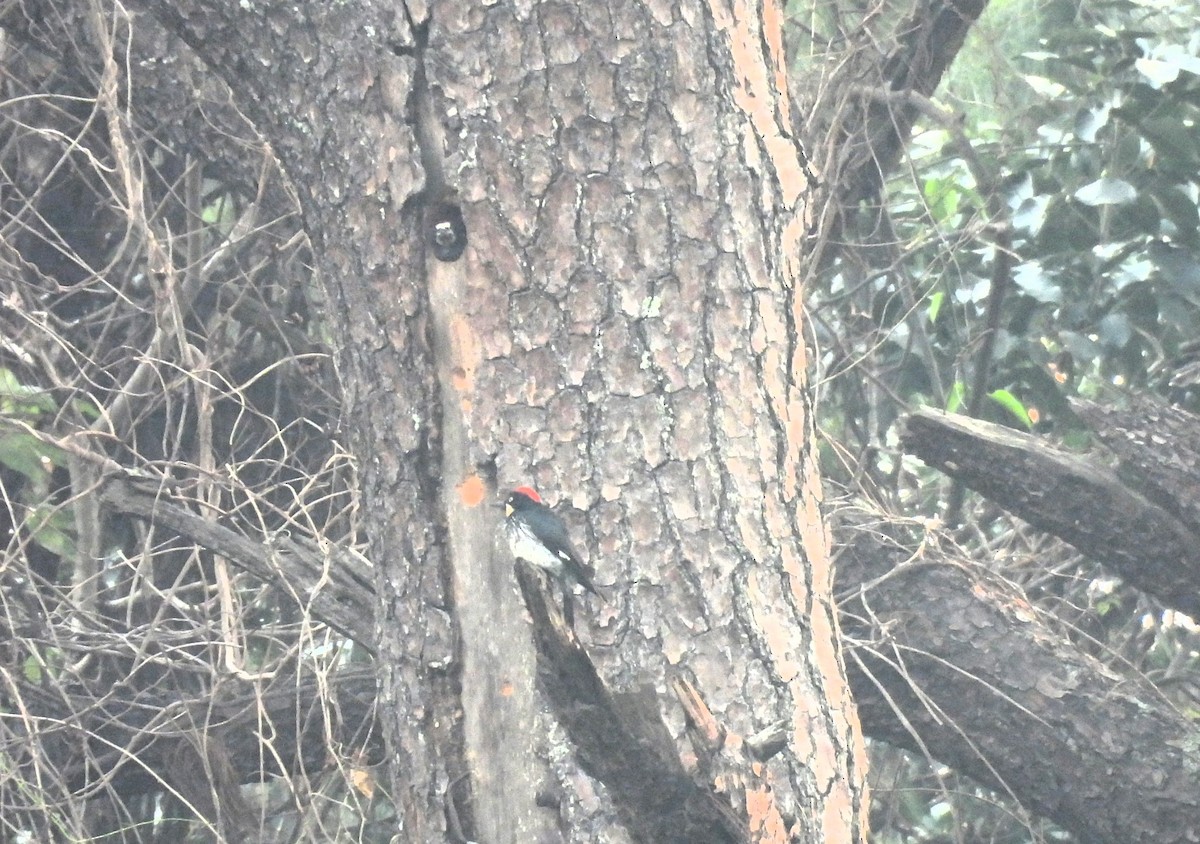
x=1090, y=143
x=1104, y=198
x=1013, y=405
x=38, y=665
x=20, y=401
x=33, y=460
x=954, y=401
x=1084, y=169
x=27, y=455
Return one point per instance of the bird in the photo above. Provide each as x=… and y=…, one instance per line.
x=538, y=536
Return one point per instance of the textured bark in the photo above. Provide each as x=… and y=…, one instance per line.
x=985, y=686
x=623, y=331
x=1158, y=446
x=1089, y=506
x=621, y=740
x=631, y=327
x=616, y=333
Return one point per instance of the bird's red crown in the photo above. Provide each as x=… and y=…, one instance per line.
x=529, y=492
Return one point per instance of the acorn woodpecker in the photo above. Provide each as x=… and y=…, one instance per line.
x=538, y=536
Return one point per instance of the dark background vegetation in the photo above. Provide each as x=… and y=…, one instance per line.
x=1036, y=241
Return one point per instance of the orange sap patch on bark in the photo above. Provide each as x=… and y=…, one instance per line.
x=471, y=491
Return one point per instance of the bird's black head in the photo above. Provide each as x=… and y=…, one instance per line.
x=521, y=498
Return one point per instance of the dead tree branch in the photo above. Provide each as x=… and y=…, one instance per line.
x=1084, y=504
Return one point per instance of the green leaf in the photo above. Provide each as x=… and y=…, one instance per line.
x=1081, y=346
x=1044, y=87
x=32, y=669
x=1032, y=278
x=1089, y=121
x=1115, y=330
x=22, y=400
x=935, y=305
x=1066, y=228
x=1178, y=207
x=1031, y=213
x=1178, y=266
x=942, y=195
x=219, y=213
x=1013, y=405
x=36, y=665
x=958, y=391
x=1158, y=72
x=53, y=528
x=1107, y=604
x=1174, y=140
x=27, y=455
x=86, y=409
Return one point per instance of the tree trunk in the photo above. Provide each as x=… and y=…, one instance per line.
x=623, y=332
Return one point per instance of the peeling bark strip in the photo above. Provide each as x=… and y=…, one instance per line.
x=760, y=92
x=500, y=709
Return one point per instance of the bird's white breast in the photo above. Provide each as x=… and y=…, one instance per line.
x=525, y=546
